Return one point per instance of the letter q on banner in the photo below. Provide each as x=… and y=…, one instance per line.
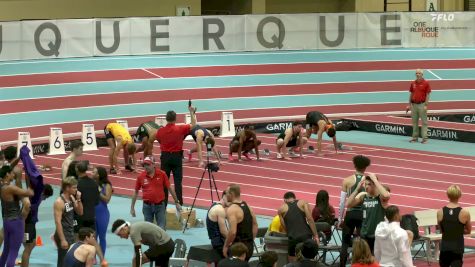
x=88, y=137
x=24, y=139
x=56, y=142
x=227, y=125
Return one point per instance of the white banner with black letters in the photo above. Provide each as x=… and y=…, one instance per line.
x=42, y=39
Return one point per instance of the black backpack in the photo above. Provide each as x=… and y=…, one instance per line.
x=409, y=222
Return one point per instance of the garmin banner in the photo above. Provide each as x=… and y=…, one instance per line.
x=41, y=39
x=405, y=130
x=460, y=118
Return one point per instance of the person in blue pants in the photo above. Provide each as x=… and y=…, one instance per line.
x=102, y=211
x=13, y=222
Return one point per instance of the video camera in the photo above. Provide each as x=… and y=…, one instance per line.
x=213, y=167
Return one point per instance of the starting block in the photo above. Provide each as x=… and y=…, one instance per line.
x=340, y=146
x=265, y=152
x=24, y=139
x=56, y=142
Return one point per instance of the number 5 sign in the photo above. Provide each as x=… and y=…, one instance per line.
x=89, y=137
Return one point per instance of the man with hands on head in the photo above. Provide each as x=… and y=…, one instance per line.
x=372, y=201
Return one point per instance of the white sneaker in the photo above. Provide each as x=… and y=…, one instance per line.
x=279, y=156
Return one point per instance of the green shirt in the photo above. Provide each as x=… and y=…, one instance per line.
x=359, y=177
x=373, y=214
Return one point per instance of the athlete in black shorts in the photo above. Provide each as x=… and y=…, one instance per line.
x=147, y=133
x=318, y=123
x=292, y=137
x=243, y=143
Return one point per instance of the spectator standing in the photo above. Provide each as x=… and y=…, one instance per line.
x=216, y=225
x=354, y=215
x=64, y=207
x=418, y=100
x=373, y=210
x=392, y=246
x=171, y=139
x=99, y=174
x=153, y=182
x=242, y=221
x=76, y=152
x=454, y=222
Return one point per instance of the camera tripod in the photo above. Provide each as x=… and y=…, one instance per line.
x=212, y=184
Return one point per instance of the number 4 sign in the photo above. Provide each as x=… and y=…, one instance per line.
x=89, y=137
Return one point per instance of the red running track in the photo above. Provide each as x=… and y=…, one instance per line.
x=15, y=106
x=153, y=73
x=413, y=186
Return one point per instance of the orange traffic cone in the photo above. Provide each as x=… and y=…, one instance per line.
x=39, y=241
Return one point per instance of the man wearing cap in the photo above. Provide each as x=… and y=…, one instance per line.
x=160, y=245
x=153, y=183
x=171, y=139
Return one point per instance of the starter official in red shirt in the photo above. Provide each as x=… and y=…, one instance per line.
x=418, y=100
x=153, y=182
x=171, y=139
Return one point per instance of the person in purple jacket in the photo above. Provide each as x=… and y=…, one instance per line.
x=34, y=180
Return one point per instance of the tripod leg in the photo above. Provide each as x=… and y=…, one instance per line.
x=215, y=187
x=194, y=200
x=210, y=174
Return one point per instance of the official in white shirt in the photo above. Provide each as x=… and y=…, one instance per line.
x=392, y=247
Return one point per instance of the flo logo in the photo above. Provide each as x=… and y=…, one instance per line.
x=443, y=17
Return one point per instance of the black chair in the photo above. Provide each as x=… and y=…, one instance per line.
x=323, y=228
x=203, y=253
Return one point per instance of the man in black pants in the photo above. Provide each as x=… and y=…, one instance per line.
x=171, y=139
x=454, y=222
x=160, y=245
x=354, y=216
x=296, y=218
x=89, y=198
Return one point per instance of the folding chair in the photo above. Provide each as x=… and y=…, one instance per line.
x=427, y=219
x=259, y=249
x=322, y=229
